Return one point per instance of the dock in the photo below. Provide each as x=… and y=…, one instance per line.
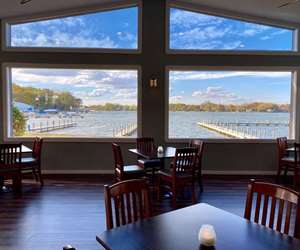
x=126, y=130
x=227, y=131
x=51, y=126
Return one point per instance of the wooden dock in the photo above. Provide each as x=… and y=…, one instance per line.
x=126, y=130
x=51, y=126
x=227, y=131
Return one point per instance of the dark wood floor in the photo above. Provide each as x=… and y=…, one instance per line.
x=70, y=210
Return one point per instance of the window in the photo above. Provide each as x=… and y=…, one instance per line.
x=229, y=104
x=195, y=31
x=114, y=29
x=56, y=102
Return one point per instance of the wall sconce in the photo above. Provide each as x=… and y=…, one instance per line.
x=153, y=82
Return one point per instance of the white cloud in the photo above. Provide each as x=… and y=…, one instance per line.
x=206, y=75
x=217, y=94
x=176, y=98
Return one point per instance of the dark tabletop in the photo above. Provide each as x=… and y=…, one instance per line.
x=169, y=152
x=178, y=230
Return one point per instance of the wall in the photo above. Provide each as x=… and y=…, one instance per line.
x=91, y=157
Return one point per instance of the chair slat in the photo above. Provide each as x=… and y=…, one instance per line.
x=117, y=213
x=128, y=204
x=257, y=210
x=280, y=215
x=265, y=210
x=122, y=206
x=288, y=218
x=140, y=203
x=272, y=214
x=135, y=210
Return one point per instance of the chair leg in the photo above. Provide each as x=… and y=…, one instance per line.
x=158, y=188
x=200, y=182
x=174, y=196
x=17, y=183
x=41, y=177
x=193, y=193
x=35, y=174
x=278, y=175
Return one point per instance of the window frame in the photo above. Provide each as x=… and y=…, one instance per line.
x=7, y=101
x=294, y=27
x=6, y=23
x=294, y=113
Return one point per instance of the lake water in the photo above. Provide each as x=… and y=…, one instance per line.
x=181, y=124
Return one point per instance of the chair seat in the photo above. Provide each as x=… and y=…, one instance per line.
x=28, y=160
x=133, y=169
x=149, y=163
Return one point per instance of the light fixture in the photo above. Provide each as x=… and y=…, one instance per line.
x=153, y=82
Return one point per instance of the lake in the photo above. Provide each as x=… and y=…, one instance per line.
x=181, y=124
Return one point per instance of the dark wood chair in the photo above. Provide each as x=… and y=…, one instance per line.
x=146, y=144
x=127, y=202
x=125, y=172
x=275, y=195
x=181, y=174
x=33, y=164
x=200, y=145
x=285, y=162
x=10, y=157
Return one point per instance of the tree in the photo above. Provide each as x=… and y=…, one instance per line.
x=19, y=122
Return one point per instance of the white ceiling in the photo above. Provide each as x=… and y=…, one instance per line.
x=264, y=8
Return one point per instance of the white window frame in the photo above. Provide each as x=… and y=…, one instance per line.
x=7, y=101
x=295, y=27
x=6, y=23
x=295, y=106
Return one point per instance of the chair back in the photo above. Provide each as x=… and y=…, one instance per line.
x=10, y=155
x=126, y=202
x=37, y=148
x=199, y=144
x=185, y=161
x=281, y=146
x=282, y=201
x=118, y=159
x=145, y=144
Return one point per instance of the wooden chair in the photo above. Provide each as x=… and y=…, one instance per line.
x=130, y=201
x=146, y=144
x=181, y=174
x=10, y=157
x=281, y=197
x=125, y=172
x=284, y=161
x=33, y=164
x=200, y=145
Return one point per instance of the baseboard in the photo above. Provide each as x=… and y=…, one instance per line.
x=206, y=172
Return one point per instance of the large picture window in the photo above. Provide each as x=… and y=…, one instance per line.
x=114, y=29
x=56, y=102
x=229, y=104
x=196, y=31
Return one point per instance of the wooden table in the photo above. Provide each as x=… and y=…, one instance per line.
x=178, y=230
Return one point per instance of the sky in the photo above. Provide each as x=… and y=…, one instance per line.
x=188, y=30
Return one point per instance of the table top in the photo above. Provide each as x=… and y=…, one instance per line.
x=25, y=149
x=290, y=149
x=179, y=229
x=169, y=152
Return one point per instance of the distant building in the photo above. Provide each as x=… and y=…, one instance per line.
x=23, y=107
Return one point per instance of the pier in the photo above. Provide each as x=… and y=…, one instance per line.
x=126, y=130
x=47, y=126
x=244, y=130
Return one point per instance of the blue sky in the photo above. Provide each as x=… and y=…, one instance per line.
x=188, y=30
x=108, y=29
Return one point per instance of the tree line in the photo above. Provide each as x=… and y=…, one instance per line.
x=45, y=98
x=246, y=107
